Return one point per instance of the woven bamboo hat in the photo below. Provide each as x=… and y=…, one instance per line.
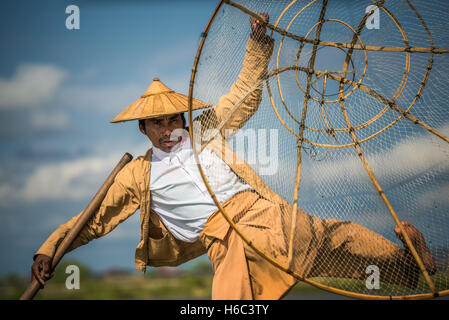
x=158, y=100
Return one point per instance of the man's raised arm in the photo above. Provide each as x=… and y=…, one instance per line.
x=259, y=49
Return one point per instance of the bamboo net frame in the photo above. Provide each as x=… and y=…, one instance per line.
x=390, y=104
x=301, y=133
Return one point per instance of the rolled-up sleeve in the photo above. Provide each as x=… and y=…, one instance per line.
x=121, y=201
x=254, y=67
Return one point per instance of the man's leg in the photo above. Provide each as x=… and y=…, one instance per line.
x=239, y=271
x=348, y=249
x=264, y=227
x=225, y=249
x=231, y=279
x=330, y=247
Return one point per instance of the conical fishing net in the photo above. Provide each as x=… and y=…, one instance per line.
x=346, y=127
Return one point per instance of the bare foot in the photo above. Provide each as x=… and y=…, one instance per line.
x=419, y=243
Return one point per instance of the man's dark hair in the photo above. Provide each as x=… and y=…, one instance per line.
x=142, y=122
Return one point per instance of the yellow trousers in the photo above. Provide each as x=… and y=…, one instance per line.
x=328, y=247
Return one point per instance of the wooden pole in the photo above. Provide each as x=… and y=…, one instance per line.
x=91, y=208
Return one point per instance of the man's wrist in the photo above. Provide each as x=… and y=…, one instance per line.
x=260, y=38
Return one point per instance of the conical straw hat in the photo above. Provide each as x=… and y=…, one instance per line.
x=158, y=100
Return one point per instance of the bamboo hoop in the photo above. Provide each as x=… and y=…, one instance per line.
x=218, y=204
x=376, y=117
x=388, y=104
x=359, y=85
x=280, y=46
x=297, y=60
x=338, y=44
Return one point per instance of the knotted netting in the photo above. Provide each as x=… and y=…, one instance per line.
x=339, y=117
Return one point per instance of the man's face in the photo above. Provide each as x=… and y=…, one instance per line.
x=159, y=129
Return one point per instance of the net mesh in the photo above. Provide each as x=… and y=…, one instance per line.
x=371, y=125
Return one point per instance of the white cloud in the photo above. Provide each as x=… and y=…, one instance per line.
x=50, y=121
x=30, y=85
x=77, y=179
x=417, y=156
x=74, y=179
x=7, y=194
x=407, y=158
x=438, y=196
x=100, y=98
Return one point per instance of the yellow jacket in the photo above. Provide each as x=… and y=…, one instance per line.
x=131, y=188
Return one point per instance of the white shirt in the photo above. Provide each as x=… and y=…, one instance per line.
x=178, y=193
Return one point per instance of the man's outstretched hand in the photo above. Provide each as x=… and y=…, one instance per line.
x=41, y=269
x=258, y=27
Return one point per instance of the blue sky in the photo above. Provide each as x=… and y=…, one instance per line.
x=59, y=88
x=62, y=88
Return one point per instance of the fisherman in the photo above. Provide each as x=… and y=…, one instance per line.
x=180, y=221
